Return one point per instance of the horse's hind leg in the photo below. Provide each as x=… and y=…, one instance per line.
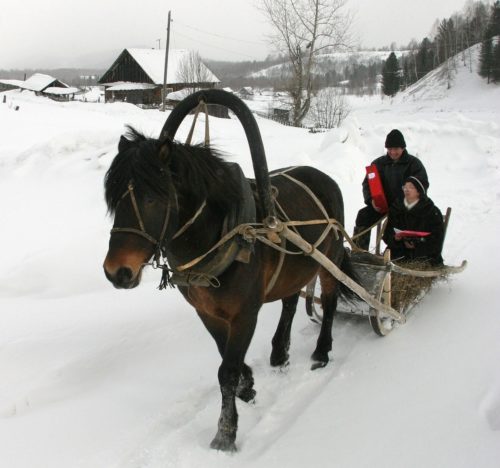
x=281, y=339
x=329, y=296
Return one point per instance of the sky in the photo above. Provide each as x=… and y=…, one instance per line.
x=96, y=377
x=58, y=33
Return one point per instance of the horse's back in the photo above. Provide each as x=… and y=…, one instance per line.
x=303, y=191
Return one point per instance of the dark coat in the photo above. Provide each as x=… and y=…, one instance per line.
x=393, y=173
x=424, y=216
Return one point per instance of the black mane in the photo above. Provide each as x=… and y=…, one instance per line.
x=196, y=170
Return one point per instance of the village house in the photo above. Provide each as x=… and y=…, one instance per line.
x=42, y=84
x=137, y=75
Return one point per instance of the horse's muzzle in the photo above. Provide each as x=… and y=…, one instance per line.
x=123, y=278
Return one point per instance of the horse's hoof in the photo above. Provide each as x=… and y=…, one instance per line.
x=225, y=445
x=320, y=360
x=318, y=365
x=279, y=359
x=247, y=395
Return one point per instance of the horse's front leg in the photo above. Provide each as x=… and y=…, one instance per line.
x=240, y=334
x=219, y=330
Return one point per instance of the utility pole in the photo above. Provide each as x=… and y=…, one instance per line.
x=166, y=65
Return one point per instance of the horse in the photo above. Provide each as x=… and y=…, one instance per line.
x=178, y=201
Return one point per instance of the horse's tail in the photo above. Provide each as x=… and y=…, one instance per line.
x=347, y=267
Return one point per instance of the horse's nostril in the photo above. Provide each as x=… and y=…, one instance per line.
x=123, y=275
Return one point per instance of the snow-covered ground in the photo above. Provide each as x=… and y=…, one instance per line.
x=96, y=377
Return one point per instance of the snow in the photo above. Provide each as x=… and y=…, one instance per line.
x=97, y=377
x=61, y=91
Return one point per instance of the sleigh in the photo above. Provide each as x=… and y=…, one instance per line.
x=401, y=286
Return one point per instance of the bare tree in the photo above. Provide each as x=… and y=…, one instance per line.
x=329, y=108
x=302, y=28
x=193, y=71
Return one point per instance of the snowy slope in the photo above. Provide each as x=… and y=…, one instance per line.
x=328, y=62
x=96, y=377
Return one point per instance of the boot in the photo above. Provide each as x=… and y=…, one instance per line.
x=363, y=242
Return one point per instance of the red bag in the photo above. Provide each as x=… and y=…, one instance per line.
x=376, y=189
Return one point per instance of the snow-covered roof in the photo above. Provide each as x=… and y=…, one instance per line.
x=246, y=90
x=179, y=95
x=128, y=86
x=152, y=61
x=12, y=82
x=61, y=91
x=37, y=82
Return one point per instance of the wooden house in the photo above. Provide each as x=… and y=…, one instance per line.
x=246, y=93
x=137, y=76
x=46, y=85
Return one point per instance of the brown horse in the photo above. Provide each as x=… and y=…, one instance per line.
x=176, y=201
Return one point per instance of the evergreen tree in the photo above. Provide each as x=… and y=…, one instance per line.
x=486, y=58
x=424, y=57
x=489, y=61
x=391, y=75
x=494, y=24
x=496, y=62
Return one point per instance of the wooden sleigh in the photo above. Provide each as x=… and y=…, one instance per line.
x=400, y=287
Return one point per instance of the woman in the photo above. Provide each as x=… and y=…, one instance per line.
x=416, y=212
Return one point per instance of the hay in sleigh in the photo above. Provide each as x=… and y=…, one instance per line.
x=407, y=290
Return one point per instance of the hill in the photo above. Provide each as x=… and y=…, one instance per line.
x=336, y=62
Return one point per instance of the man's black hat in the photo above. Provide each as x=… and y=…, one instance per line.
x=395, y=139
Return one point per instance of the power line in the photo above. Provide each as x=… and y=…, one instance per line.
x=214, y=46
x=219, y=35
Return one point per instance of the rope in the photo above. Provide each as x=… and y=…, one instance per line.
x=190, y=221
x=359, y=234
x=201, y=105
x=256, y=231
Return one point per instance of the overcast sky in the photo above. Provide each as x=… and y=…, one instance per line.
x=66, y=33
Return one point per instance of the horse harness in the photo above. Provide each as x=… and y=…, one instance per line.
x=249, y=232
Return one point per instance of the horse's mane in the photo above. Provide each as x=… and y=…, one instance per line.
x=198, y=171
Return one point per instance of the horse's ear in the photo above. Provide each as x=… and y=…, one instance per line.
x=123, y=144
x=165, y=150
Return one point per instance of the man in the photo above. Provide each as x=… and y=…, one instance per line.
x=394, y=167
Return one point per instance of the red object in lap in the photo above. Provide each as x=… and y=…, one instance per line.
x=408, y=233
x=376, y=189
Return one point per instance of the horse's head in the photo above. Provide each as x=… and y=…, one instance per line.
x=141, y=197
x=155, y=189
